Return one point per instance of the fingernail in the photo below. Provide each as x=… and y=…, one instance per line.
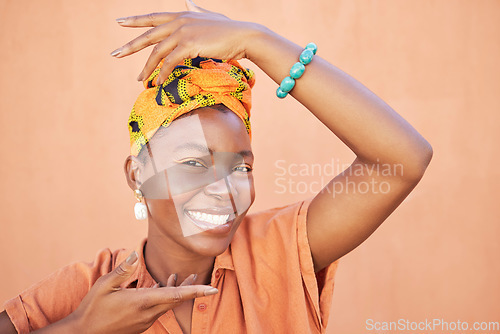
x=139, y=78
x=121, y=20
x=175, y=278
x=211, y=291
x=131, y=258
x=116, y=52
x=194, y=277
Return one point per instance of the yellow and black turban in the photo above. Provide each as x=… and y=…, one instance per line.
x=194, y=83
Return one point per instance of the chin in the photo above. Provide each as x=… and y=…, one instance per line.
x=203, y=229
x=213, y=241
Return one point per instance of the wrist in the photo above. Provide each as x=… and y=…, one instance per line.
x=271, y=52
x=66, y=325
x=70, y=324
x=256, y=35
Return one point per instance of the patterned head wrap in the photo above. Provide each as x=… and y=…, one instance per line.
x=194, y=83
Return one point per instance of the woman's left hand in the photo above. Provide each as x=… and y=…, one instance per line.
x=182, y=35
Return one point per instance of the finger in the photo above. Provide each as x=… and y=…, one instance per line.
x=170, y=62
x=172, y=280
x=160, y=51
x=189, y=280
x=121, y=273
x=147, y=20
x=157, y=285
x=191, y=6
x=150, y=37
x=178, y=294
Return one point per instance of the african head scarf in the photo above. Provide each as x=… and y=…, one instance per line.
x=194, y=83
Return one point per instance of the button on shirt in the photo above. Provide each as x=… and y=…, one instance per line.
x=265, y=278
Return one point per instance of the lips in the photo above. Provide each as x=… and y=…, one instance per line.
x=215, y=221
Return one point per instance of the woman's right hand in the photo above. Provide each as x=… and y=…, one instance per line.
x=180, y=35
x=108, y=308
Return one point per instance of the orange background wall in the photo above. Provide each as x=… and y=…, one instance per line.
x=65, y=102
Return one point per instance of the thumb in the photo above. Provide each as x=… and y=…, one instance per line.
x=191, y=6
x=123, y=272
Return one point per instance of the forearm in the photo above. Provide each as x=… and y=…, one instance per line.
x=6, y=326
x=363, y=121
x=63, y=326
x=66, y=325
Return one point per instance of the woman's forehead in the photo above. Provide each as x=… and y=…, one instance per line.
x=217, y=141
x=205, y=132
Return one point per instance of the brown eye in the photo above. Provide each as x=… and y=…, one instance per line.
x=193, y=163
x=244, y=169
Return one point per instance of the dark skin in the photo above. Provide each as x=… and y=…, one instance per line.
x=366, y=124
x=168, y=251
x=6, y=326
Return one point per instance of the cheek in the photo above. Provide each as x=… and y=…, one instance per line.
x=170, y=209
x=161, y=209
x=167, y=209
x=245, y=194
x=252, y=188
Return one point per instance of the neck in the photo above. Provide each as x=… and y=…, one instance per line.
x=163, y=257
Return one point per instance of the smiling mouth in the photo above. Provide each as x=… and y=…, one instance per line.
x=207, y=218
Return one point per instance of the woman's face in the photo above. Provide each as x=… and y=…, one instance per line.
x=198, y=182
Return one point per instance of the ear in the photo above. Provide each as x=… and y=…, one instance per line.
x=132, y=169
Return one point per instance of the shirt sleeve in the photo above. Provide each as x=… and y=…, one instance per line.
x=279, y=288
x=319, y=285
x=58, y=295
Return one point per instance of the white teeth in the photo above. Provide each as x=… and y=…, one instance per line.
x=208, y=218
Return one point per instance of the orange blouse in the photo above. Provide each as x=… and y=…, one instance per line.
x=265, y=278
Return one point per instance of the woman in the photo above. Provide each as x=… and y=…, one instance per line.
x=216, y=269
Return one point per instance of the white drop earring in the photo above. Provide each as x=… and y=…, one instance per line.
x=140, y=209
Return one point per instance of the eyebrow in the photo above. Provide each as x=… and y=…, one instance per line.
x=205, y=149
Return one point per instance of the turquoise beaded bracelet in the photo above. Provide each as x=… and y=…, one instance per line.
x=297, y=70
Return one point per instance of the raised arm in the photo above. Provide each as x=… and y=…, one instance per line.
x=391, y=155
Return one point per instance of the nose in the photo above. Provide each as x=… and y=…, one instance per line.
x=222, y=188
